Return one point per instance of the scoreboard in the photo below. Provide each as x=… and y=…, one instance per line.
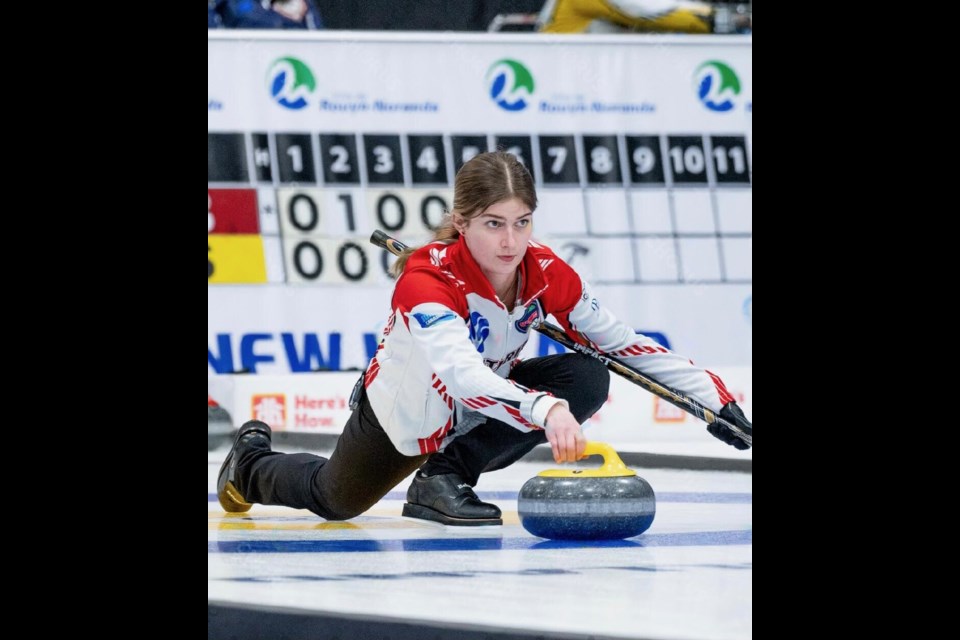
x=625, y=208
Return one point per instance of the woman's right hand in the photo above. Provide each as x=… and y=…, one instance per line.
x=564, y=434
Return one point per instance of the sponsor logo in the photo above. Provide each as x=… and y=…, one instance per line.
x=510, y=84
x=360, y=104
x=290, y=82
x=716, y=85
x=578, y=104
x=270, y=408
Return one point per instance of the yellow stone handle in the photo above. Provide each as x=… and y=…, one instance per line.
x=612, y=465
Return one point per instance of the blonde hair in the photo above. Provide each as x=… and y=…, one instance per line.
x=488, y=178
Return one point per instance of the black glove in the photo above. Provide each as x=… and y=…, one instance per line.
x=731, y=413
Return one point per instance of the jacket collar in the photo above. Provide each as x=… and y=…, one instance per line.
x=534, y=282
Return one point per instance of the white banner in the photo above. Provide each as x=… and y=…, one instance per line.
x=432, y=83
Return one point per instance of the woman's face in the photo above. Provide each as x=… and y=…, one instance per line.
x=498, y=238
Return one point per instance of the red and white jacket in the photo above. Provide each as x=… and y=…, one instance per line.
x=450, y=344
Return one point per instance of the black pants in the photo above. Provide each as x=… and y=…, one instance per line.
x=365, y=465
x=580, y=380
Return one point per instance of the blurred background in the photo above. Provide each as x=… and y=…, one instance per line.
x=453, y=15
x=328, y=120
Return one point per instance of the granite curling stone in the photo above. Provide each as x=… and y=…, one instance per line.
x=608, y=503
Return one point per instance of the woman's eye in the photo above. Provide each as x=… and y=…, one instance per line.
x=493, y=224
x=523, y=223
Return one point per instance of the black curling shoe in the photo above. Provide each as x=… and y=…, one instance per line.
x=251, y=434
x=449, y=500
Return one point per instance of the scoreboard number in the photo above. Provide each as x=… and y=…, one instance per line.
x=558, y=160
x=633, y=201
x=295, y=158
x=729, y=156
x=429, y=159
x=412, y=214
x=687, y=159
x=384, y=159
x=323, y=260
x=645, y=159
x=339, y=153
x=603, y=160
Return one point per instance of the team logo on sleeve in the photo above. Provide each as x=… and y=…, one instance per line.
x=428, y=319
x=479, y=330
x=530, y=316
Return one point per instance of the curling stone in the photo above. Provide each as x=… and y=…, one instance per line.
x=608, y=503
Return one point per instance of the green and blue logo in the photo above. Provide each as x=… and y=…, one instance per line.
x=716, y=85
x=290, y=82
x=510, y=84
